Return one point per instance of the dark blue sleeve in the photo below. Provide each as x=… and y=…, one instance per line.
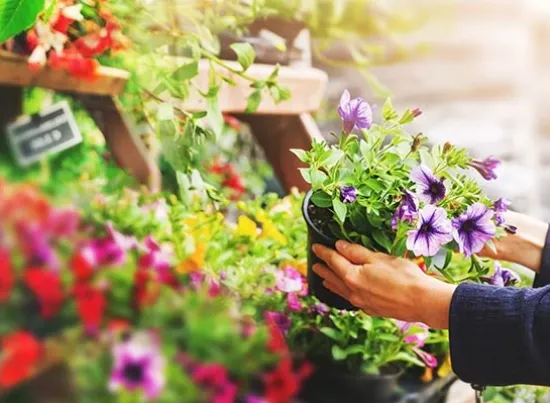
x=501, y=336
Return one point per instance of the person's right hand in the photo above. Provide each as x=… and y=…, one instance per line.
x=525, y=246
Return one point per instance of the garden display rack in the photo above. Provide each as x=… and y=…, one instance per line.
x=97, y=96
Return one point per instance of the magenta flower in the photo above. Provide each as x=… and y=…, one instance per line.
x=289, y=280
x=255, y=399
x=432, y=231
x=138, y=365
x=407, y=210
x=280, y=319
x=416, y=335
x=62, y=223
x=214, y=288
x=503, y=277
x=36, y=248
x=348, y=194
x=355, y=113
x=428, y=358
x=473, y=229
x=428, y=187
x=158, y=259
x=215, y=379
x=197, y=279
x=293, y=303
x=486, y=167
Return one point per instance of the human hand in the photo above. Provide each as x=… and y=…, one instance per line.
x=382, y=285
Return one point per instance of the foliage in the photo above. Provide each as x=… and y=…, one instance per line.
x=17, y=15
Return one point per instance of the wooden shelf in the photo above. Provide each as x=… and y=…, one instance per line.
x=15, y=71
x=306, y=84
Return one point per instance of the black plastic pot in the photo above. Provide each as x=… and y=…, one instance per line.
x=329, y=386
x=315, y=283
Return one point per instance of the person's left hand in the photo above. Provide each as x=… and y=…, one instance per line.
x=382, y=285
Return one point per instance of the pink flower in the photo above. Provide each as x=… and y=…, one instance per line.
x=417, y=340
x=289, y=280
x=293, y=303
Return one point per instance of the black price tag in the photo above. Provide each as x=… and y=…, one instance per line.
x=51, y=130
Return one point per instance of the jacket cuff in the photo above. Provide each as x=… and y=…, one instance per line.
x=543, y=277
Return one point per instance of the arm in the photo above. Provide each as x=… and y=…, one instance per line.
x=498, y=336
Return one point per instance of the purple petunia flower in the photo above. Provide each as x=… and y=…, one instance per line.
x=486, y=167
x=138, y=365
x=473, y=229
x=321, y=308
x=289, y=280
x=293, y=303
x=355, y=113
x=407, y=210
x=280, y=319
x=348, y=194
x=428, y=187
x=417, y=338
x=432, y=231
x=501, y=205
x=503, y=277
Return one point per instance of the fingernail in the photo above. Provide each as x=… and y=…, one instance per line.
x=341, y=244
x=315, y=267
x=315, y=248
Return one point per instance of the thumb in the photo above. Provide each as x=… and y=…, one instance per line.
x=355, y=253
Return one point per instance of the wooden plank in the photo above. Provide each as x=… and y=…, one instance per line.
x=277, y=134
x=307, y=86
x=127, y=149
x=14, y=70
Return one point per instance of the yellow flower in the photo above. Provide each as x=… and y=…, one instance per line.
x=427, y=376
x=299, y=265
x=194, y=262
x=270, y=231
x=446, y=368
x=246, y=227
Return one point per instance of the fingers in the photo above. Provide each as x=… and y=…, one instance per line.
x=354, y=253
x=334, y=289
x=338, y=263
x=328, y=275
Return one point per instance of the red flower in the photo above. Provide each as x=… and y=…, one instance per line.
x=90, y=304
x=72, y=61
x=232, y=122
x=146, y=287
x=46, y=285
x=94, y=44
x=7, y=278
x=62, y=24
x=281, y=384
x=32, y=40
x=82, y=266
x=276, y=342
x=20, y=354
x=234, y=181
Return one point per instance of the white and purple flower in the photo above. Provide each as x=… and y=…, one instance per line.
x=503, y=277
x=432, y=231
x=473, y=229
x=355, y=113
x=348, y=194
x=428, y=187
x=289, y=280
x=138, y=365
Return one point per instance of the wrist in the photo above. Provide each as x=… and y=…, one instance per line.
x=435, y=302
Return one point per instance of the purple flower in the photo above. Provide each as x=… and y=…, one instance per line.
x=197, y=279
x=289, y=280
x=280, y=319
x=473, y=229
x=407, y=210
x=138, y=365
x=486, y=167
x=501, y=205
x=419, y=335
x=355, y=113
x=428, y=187
x=348, y=194
x=321, y=308
x=432, y=231
x=416, y=112
x=503, y=277
x=293, y=303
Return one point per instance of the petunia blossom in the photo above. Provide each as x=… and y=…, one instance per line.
x=282, y=321
x=355, y=113
x=473, y=229
x=293, y=303
x=407, y=210
x=487, y=167
x=289, y=280
x=348, y=194
x=433, y=230
x=7, y=276
x=428, y=188
x=416, y=335
x=21, y=352
x=138, y=365
x=503, y=277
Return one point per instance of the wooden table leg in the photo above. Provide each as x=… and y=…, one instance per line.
x=277, y=134
x=128, y=150
x=11, y=105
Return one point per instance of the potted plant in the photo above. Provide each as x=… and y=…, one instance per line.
x=388, y=191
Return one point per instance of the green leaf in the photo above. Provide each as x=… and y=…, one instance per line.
x=383, y=240
x=186, y=72
x=245, y=54
x=375, y=185
x=448, y=258
x=253, y=101
x=273, y=76
x=317, y=178
x=338, y=353
x=165, y=111
x=331, y=333
x=17, y=15
x=49, y=10
x=388, y=113
x=305, y=174
x=215, y=117
x=340, y=209
x=411, y=359
x=332, y=158
x=321, y=199
x=301, y=154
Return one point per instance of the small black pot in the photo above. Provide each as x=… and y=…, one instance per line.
x=329, y=386
x=315, y=283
